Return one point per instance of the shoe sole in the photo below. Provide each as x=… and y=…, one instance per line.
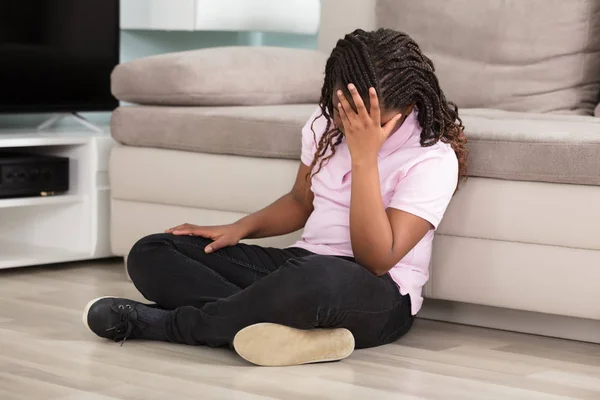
x=274, y=345
x=89, y=305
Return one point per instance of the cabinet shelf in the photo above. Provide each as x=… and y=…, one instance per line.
x=41, y=201
x=24, y=137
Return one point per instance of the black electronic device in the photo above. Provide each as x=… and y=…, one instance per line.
x=24, y=175
x=57, y=55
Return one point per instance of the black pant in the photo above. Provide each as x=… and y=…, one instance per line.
x=215, y=295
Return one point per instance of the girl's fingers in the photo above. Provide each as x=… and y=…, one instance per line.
x=344, y=106
x=361, y=110
x=391, y=124
x=216, y=245
x=182, y=231
x=170, y=230
x=375, y=112
x=343, y=115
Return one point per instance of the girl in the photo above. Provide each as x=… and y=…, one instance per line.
x=381, y=159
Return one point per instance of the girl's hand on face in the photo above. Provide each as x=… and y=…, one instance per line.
x=222, y=236
x=362, y=129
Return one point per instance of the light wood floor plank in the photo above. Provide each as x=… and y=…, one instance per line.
x=46, y=353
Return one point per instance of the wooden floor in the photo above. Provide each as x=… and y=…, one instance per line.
x=46, y=353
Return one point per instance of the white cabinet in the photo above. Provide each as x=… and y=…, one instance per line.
x=292, y=16
x=66, y=227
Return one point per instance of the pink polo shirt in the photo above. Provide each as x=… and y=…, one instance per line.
x=418, y=180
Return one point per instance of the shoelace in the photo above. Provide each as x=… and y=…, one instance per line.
x=125, y=325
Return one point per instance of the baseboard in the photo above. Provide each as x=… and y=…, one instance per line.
x=586, y=330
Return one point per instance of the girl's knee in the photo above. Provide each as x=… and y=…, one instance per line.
x=151, y=241
x=144, y=251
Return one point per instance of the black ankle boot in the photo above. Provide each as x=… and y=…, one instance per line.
x=122, y=319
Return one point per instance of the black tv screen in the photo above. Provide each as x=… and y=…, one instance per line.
x=57, y=55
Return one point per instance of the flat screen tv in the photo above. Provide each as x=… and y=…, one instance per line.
x=57, y=55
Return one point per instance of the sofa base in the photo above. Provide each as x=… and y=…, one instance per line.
x=132, y=220
x=503, y=244
x=520, y=276
x=585, y=330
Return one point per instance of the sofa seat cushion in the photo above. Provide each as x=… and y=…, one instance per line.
x=533, y=147
x=260, y=131
x=503, y=145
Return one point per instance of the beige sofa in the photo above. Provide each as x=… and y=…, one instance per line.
x=519, y=247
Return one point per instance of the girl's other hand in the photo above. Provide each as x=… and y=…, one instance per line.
x=222, y=235
x=362, y=128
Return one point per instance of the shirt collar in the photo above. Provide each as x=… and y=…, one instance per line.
x=399, y=137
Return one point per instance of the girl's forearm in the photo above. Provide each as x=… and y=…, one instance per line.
x=370, y=230
x=285, y=215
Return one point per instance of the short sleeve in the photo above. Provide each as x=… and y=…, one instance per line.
x=428, y=187
x=310, y=138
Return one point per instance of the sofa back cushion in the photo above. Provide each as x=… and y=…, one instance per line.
x=339, y=17
x=222, y=76
x=516, y=55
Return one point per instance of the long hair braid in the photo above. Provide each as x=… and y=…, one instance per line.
x=392, y=63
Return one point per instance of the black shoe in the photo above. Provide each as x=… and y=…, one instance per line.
x=114, y=318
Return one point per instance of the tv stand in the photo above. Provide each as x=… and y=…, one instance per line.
x=69, y=226
x=76, y=117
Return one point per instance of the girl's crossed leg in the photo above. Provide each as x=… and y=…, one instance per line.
x=211, y=297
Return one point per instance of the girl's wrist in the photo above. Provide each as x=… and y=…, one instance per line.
x=364, y=161
x=244, y=227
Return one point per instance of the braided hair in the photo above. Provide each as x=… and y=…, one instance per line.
x=392, y=63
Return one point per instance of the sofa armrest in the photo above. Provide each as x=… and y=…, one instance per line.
x=224, y=76
x=597, y=111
